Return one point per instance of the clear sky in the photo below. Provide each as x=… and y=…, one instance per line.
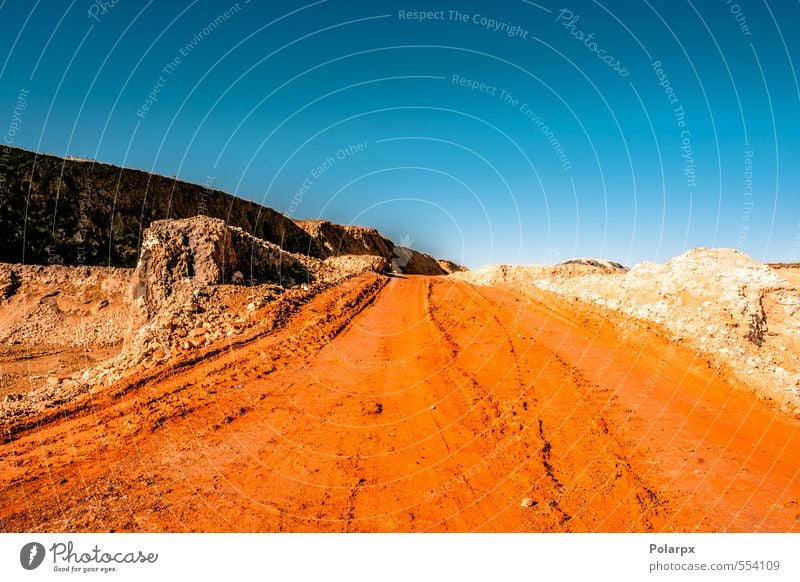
x=491, y=131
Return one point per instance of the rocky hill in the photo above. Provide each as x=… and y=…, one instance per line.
x=77, y=212
x=58, y=211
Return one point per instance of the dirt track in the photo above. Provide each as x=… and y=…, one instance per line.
x=416, y=404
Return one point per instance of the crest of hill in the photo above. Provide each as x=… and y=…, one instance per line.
x=78, y=212
x=74, y=212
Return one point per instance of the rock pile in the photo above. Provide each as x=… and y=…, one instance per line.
x=340, y=239
x=183, y=262
x=337, y=240
x=68, y=307
x=735, y=311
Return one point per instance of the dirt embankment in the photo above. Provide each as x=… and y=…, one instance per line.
x=735, y=311
x=200, y=283
x=56, y=321
x=59, y=211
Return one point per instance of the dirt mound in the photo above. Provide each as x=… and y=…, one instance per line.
x=599, y=263
x=450, y=267
x=205, y=251
x=527, y=274
x=406, y=260
x=351, y=265
x=181, y=261
x=62, y=306
x=340, y=239
x=55, y=322
x=736, y=311
x=66, y=211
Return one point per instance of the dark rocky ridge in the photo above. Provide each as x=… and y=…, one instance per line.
x=78, y=212
x=88, y=213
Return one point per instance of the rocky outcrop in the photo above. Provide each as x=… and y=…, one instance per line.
x=76, y=212
x=450, y=267
x=406, y=260
x=339, y=239
x=181, y=257
x=350, y=265
x=597, y=263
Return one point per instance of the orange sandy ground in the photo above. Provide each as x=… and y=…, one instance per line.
x=416, y=404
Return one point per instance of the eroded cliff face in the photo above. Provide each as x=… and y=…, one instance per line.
x=59, y=211
x=76, y=212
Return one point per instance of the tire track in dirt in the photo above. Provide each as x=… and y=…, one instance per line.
x=585, y=413
x=483, y=396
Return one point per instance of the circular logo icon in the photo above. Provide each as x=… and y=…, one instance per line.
x=31, y=555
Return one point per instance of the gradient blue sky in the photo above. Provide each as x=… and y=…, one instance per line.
x=279, y=87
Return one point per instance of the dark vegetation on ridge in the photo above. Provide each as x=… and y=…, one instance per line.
x=78, y=212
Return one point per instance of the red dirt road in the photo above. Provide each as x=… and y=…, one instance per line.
x=416, y=404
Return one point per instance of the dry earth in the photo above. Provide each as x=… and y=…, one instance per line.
x=402, y=403
x=738, y=313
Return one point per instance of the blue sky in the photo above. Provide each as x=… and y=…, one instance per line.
x=513, y=131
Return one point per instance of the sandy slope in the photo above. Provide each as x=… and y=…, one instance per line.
x=416, y=404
